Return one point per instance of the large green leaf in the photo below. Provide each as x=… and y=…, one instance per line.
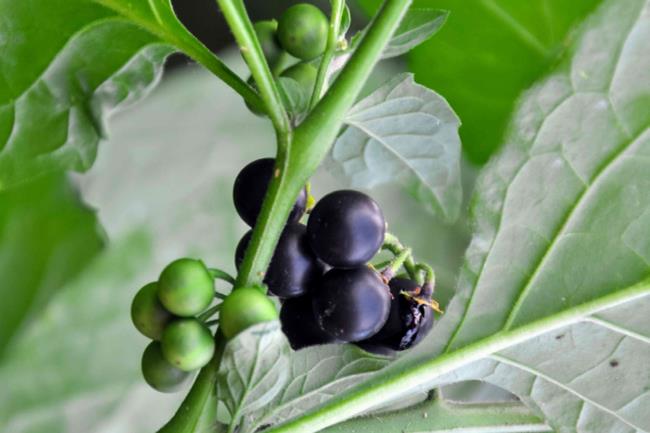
x=47, y=236
x=406, y=133
x=554, y=297
x=66, y=64
x=488, y=52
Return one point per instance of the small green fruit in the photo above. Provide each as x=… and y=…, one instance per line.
x=148, y=314
x=266, y=33
x=158, y=372
x=302, y=31
x=304, y=73
x=244, y=308
x=185, y=287
x=187, y=344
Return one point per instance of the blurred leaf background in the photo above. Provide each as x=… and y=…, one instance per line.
x=75, y=248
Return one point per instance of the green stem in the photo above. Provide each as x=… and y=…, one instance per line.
x=392, y=244
x=396, y=264
x=218, y=274
x=429, y=275
x=198, y=409
x=241, y=26
x=312, y=140
x=208, y=313
x=338, y=7
x=397, y=381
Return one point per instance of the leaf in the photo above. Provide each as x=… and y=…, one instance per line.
x=437, y=416
x=553, y=300
x=418, y=25
x=316, y=374
x=60, y=79
x=487, y=54
x=254, y=369
x=47, y=236
x=70, y=350
x=407, y=133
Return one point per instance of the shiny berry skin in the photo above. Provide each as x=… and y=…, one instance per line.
x=148, y=314
x=408, y=322
x=187, y=344
x=299, y=323
x=351, y=304
x=159, y=373
x=294, y=269
x=244, y=308
x=302, y=31
x=250, y=188
x=185, y=287
x=267, y=35
x=346, y=229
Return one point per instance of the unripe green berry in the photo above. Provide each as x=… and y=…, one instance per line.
x=187, y=344
x=266, y=34
x=185, y=287
x=148, y=314
x=304, y=73
x=302, y=31
x=244, y=308
x=158, y=372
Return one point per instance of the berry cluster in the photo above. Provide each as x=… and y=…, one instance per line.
x=169, y=311
x=300, y=32
x=322, y=273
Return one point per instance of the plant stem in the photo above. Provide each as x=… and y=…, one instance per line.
x=396, y=264
x=198, y=409
x=241, y=26
x=208, y=313
x=311, y=141
x=392, y=244
x=218, y=274
x=397, y=380
x=338, y=6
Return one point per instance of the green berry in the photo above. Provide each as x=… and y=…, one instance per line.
x=302, y=31
x=244, y=308
x=148, y=314
x=304, y=73
x=158, y=372
x=187, y=344
x=186, y=287
x=266, y=33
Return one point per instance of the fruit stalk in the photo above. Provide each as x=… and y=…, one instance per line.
x=338, y=7
x=392, y=244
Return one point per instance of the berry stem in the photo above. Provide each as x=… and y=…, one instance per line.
x=219, y=295
x=396, y=264
x=429, y=276
x=393, y=244
x=338, y=7
x=207, y=314
x=218, y=274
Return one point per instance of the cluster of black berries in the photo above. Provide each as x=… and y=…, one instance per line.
x=322, y=273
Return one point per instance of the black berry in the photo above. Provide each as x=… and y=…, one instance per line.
x=294, y=269
x=299, y=323
x=351, y=304
x=250, y=188
x=409, y=321
x=346, y=228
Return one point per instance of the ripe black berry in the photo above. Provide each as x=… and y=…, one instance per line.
x=250, y=188
x=346, y=228
x=299, y=323
x=408, y=322
x=351, y=304
x=294, y=269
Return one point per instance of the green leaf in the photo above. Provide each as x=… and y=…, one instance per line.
x=405, y=133
x=47, y=236
x=317, y=373
x=553, y=301
x=488, y=52
x=254, y=369
x=294, y=96
x=78, y=346
x=418, y=25
x=66, y=64
x=438, y=416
